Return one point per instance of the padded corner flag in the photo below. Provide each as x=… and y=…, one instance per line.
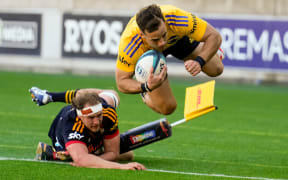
x=199, y=100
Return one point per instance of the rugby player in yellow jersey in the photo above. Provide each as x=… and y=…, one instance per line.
x=173, y=31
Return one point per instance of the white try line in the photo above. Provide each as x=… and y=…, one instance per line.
x=153, y=170
x=212, y=175
x=30, y=160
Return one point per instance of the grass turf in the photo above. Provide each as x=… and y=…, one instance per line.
x=246, y=137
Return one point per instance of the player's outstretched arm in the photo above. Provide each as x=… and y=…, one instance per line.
x=82, y=158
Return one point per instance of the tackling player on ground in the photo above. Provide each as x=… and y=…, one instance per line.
x=173, y=31
x=86, y=132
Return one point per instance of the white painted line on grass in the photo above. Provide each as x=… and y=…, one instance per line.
x=212, y=175
x=154, y=170
x=30, y=160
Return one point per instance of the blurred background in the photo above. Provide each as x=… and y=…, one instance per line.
x=82, y=36
x=245, y=139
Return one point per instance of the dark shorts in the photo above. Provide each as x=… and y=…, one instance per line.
x=182, y=48
x=55, y=130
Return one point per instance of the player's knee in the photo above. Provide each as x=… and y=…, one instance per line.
x=168, y=109
x=116, y=98
x=111, y=97
x=217, y=70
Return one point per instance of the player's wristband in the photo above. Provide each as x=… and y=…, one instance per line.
x=200, y=60
x=145, y=88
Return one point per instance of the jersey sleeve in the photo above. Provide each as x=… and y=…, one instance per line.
x=110, y=122
x=130, y=47
x=73, y=132
x=185, y=23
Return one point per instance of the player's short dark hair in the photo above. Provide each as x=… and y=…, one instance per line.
x=81, y=100
x=149, y=18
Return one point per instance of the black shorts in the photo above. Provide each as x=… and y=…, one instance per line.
x=182, y=48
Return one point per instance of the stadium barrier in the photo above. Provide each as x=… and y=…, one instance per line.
x=51, y=41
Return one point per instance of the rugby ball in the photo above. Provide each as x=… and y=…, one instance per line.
x=151, y=58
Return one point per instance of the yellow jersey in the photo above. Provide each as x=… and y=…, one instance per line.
x=179, y=23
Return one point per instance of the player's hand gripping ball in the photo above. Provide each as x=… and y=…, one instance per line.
x=151, y=58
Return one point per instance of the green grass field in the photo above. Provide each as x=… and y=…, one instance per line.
x=246, y=138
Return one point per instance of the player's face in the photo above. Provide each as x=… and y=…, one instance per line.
x=157, y=39
x=93, y=122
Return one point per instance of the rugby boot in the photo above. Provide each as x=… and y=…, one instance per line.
x=44, y=152
x=39, y=96
x=62, y=156
x=220, y=53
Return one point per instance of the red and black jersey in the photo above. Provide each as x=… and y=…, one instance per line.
x=67, y=129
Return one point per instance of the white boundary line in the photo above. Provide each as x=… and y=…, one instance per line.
x=30, y=160
x=153, y=170
x=212, y=175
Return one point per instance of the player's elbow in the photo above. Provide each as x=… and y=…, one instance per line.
x=116, y=156
x=120, y=85
x=124, y=81
x=128, y=156
x=120, y=88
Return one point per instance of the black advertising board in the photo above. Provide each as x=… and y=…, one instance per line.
x=20, y=34
x=92, y=36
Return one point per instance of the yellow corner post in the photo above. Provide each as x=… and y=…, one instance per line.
x=199, y=100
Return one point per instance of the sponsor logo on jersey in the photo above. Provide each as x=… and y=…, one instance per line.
x=123, y=61
x=172, y=39
x=141, y=137
x=75, y=135
x=194, y=24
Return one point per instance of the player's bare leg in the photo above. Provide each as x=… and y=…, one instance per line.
x=161, y=99
x=212, y=68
